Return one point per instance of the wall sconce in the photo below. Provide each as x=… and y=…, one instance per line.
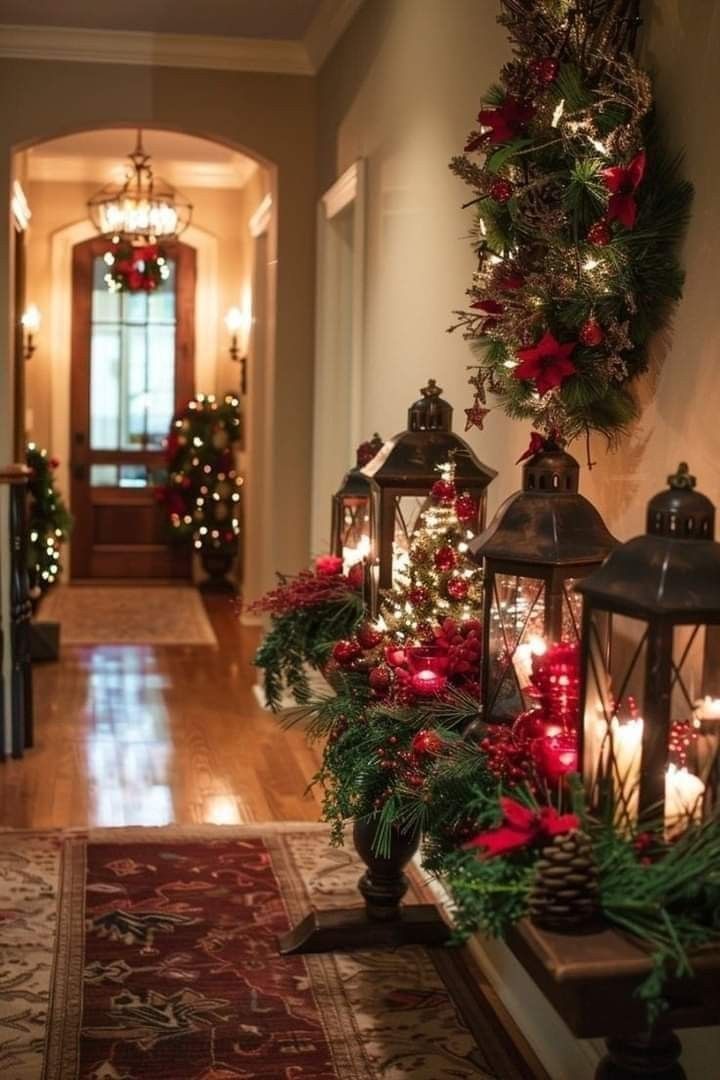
x=31, y=324
x=237, y=322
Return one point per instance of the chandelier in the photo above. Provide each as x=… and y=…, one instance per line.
x=144, y=209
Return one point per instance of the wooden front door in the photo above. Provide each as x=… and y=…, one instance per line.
x=132, y=367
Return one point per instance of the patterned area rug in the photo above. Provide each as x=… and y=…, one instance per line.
x=150, y=954
x=129, y=615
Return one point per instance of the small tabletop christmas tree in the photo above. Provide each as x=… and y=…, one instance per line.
x=442, y=583
x=49, y=523
x=202, y=493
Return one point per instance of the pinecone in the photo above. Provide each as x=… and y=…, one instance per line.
x=565, y=893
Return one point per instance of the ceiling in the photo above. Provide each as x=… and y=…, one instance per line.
x=101, y=156
x=282, y=19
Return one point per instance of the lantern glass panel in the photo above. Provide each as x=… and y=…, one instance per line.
x=408, y=509
x=623, y=689
x=517, y=630
x=354, y=529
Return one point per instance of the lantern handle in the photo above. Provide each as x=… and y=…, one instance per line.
x=682, y=479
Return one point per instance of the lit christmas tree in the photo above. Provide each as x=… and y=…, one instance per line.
x=49, y=522
x=202, y=493
x=441, y=581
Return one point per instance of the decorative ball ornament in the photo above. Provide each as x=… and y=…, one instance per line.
x=427, y=743
x=465, y=509
x=356, y=575
x=445, y=558
x=346, y=653
x=369, y=636
x=444, y=492
x=501, y=190
x=599, y=234
x=380, y=679
x=592, y=333
x=457, y=588
x=534, y=724
x=418, y=595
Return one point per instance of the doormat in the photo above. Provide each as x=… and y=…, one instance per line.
x=151, y=954
x=128, y=615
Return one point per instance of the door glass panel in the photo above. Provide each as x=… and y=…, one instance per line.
x=132, y=364
x=103, y=475
x=133, y=476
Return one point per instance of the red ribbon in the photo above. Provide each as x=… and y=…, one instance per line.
x=522, y=827
x=538, y=443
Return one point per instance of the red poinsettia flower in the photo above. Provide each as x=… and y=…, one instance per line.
x=504, y=122
x=547, y=364
x=622, y=181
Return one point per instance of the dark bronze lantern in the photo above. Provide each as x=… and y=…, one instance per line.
x=650, y=726
x=403, y=472
x=542, y=539
x=350, y=528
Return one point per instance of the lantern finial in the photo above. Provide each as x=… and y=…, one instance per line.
x=432, y=390
x=682, y=478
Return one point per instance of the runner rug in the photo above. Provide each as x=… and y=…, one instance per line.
x=150, y=954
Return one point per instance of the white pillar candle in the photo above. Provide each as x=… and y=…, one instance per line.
x=683, y=799
x=523, y=656
x=707, y=709
x=626, y=740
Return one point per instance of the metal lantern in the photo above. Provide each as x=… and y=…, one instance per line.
x=542, y=539
x=350, y=527
x=650, y=724
x=401, y=475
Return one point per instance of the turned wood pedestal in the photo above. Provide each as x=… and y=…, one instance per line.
x=384, y=921
x=591, y=978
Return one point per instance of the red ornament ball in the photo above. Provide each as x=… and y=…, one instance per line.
x=599, y=234
x=465, y=508
x=545, y=69
x=369, y=636
x=356, y=575
x=501, y=190
x=534, y=724
x=380, y=679
x=592, y=333
x=346, y=652
x=426, y=743
x=418, y=595
x=445, y=558
x=444, y=492
x=457, y=588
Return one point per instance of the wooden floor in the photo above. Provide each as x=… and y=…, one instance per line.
x=130, y=735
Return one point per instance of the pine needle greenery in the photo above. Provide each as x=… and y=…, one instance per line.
x=578, y=210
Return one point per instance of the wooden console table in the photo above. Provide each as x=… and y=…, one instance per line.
x=590, y=979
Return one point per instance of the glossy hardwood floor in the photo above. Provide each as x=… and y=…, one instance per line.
x=129, y=735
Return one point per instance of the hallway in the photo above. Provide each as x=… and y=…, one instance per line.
x=141, y=735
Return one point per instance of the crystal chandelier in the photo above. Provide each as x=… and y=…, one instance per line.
x=144, y=209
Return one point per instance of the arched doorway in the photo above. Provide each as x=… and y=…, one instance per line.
x=226, y=187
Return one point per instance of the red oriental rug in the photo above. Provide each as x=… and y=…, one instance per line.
x=150, y=954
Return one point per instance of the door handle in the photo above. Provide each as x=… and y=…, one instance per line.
x=79, y=472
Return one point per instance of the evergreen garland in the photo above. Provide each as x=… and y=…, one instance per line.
x=578, y=213
x=49, y=522
x=202, y=492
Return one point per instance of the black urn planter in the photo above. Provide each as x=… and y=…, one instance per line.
x=216, y=565
x=383, y=922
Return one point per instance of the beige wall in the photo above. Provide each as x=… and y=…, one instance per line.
x=271, y=117
x=402, y=89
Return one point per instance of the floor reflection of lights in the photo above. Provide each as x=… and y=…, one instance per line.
x=130, y=747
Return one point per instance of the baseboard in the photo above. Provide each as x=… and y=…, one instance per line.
x=563, y=1056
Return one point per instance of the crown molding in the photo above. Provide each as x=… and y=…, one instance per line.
x=160, y=50
x=272, y=56
x=329, y=23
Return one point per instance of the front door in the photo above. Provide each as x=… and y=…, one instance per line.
x=132, y=367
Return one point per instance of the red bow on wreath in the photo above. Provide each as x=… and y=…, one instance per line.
x=522, y=827
x=622, y=181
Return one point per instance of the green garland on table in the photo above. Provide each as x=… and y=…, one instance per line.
x=578, y=214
